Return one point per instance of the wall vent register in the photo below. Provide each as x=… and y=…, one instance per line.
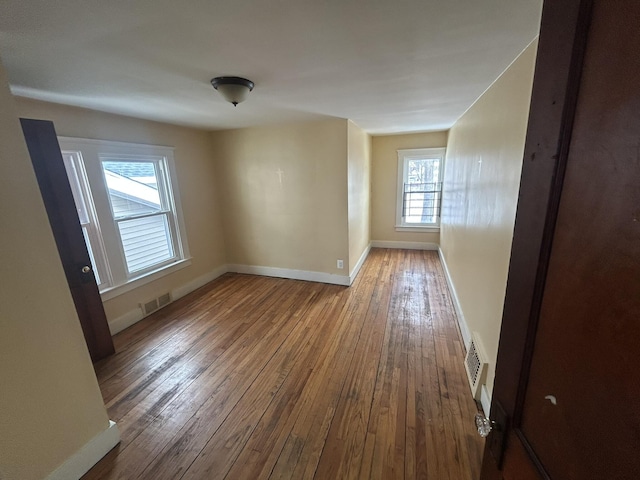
x=475, y=366
x=155, y=304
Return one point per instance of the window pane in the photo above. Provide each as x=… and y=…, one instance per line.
x=133, y=187
x=146, y=241
x=421, y=202
x=423, y=170
x=73, y=163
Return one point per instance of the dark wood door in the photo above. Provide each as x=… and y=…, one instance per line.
x=567, y=378
x=48, y=164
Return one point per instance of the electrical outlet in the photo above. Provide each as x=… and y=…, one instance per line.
x=340, y=264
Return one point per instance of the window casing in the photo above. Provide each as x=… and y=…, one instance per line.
x=419, y=189
x=129, y=210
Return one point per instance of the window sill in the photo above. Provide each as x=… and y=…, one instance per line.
x=113, y=292
x=418, y=228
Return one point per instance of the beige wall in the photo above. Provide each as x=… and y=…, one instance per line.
x=482, y=176
x=384, y=178
x=50, y=404
x=195, y=171
x=359, y=179
x=284, y=191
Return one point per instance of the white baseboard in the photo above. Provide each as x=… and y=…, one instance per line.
x=196, y=283
x=485, y=400
x=125, y=321
x=485, y=396
x=90, y=454
x=134, y=316
x=356, y=269
x=404, y=245
x=309, y=276
x=462, y=323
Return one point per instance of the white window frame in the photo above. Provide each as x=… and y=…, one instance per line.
x=166, y=199
x=404, y=156
x=92, y=154
x=81, y=190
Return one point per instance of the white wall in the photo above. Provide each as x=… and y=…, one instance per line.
x=384, y=182
x=359, y=192
x=50, y=403
x=482, y=177
x=196, y=181
x=284, y=193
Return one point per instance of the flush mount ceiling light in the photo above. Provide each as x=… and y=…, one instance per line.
x=233, y=89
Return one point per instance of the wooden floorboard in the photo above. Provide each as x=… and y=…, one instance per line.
x=254, y=377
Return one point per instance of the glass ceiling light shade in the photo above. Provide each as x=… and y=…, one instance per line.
x=233, y=89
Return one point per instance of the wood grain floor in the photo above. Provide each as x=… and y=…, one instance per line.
x=255, y=377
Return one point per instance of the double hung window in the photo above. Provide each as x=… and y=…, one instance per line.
x=419, y=193
x=128, y=209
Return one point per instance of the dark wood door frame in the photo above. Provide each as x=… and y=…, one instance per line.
x=561, y=48
x=42, y=143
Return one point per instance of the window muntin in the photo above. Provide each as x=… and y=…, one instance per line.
x=419, y=194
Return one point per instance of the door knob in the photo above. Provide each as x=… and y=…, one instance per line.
x=86, y=269
x=484, y=425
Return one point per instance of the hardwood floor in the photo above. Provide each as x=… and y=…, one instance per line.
x=255, y=377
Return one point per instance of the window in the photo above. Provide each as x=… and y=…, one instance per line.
x=140, y=208
x=419, y=193
x=128, y=210
x=87, y=216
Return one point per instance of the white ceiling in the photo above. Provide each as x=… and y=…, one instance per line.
x=390, y=66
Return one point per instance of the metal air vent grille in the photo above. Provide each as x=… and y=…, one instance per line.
x=476, y=366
